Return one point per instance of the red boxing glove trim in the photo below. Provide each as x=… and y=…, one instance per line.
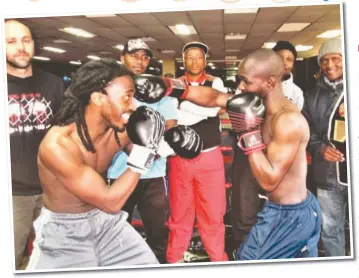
x=252, y=140
x=259, y=148
x=176, y=91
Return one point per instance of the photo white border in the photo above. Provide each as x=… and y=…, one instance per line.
x=192, y=8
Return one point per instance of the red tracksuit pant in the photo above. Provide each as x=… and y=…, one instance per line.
x=197, y=190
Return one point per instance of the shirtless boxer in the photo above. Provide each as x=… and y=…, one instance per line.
x=81, y=224
x=289, y=225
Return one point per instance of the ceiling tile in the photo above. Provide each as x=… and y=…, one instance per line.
x=173, y=18
x=274, y=15
x=237, y=28
x=130, y=31
x=111, y=22
x=141, y=19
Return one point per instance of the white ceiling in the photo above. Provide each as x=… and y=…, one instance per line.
x=211, y=26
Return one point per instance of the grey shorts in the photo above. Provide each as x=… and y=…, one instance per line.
x=91, y=239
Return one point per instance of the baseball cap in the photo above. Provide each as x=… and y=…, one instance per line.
x=135, y=45
x=199, y=45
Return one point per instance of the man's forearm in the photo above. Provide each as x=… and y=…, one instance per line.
x=263, y=171
x=207, y=96
x=121, y=190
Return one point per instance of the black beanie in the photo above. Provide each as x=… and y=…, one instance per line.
x=285, y=45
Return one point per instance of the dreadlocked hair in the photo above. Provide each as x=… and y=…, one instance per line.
x=91, y=77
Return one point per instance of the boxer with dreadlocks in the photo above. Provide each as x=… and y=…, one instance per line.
x=81, y=224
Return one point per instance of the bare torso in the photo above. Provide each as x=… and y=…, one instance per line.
x=57, y=197
x=292, y=188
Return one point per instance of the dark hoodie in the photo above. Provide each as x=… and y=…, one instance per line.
x=318, y=105
x=32, y=102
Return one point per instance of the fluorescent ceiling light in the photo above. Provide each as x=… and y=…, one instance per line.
x=105, y=52
x=54, y=49
x=78, y=32
x=119, y=47
x=234, y=36
x=292, y=27
x=182, y=29
x=101, y=15
x=182, y=68
x=160, y=61
x=213, y=67
x=330, y=34
x=119, y=62
x=210, y=64
x=41, y=58
x=269, y=45
x=300, y=48
x=93, y=57
x=61, y=41
x=241, y=11
x=233, y=50
x=235, y=68
x=167, y=51
x=151, y=68
x=300, y=59
x=75, y=62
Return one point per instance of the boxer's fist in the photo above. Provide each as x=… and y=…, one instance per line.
x=184, y=141
x=150, y=88
x=145, y=128
x=246, y=112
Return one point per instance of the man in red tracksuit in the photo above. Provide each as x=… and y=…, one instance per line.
x=197, y=186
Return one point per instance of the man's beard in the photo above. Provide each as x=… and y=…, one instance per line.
x=17, y=65
x=286, y=76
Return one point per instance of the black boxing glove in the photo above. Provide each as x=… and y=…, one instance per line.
x=246, y=112
x=151, y=88
x=184, y=140
x=145, y=129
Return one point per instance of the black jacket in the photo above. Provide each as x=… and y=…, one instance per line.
x=318, y=105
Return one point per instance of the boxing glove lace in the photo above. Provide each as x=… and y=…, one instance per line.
x=246, y=112
x=184, y=140
x=150, y=88
x=145, y=128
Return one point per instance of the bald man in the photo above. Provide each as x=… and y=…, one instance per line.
x=274, y=135
x=34, y=96
x=289, y=225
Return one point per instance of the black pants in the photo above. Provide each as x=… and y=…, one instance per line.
x=151, y=200
x=245, y=203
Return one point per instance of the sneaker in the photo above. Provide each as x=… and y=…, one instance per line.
x=181, y=261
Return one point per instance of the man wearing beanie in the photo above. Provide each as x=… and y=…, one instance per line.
x=289, y=54
x=318, y=110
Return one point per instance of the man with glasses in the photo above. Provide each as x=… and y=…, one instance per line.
x=150, y=193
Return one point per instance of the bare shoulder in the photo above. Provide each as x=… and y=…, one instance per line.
x=289, y=122
x=59, y=151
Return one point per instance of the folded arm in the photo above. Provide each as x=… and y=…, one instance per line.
x=269, y=169
x=64, y=159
